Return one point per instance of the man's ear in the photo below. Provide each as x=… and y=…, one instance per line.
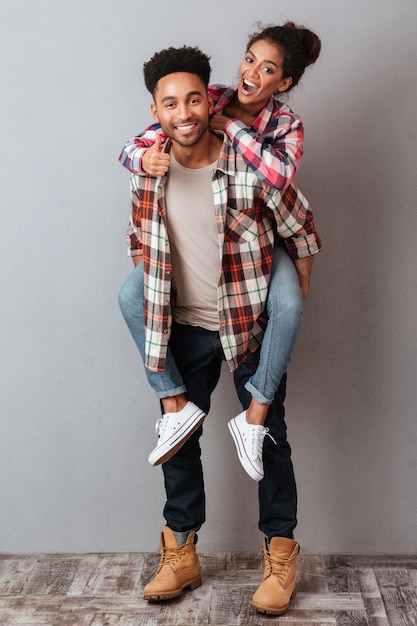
x=154, y=112
x=210, y=103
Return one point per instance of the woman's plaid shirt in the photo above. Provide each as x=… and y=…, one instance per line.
x=249, y=216
x=272, y=147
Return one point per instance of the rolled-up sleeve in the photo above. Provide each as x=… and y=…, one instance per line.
x=295, y=222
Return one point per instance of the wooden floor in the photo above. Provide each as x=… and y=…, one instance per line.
x=106, y=590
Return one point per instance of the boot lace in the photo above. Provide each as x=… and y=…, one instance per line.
x=170, y=556
x=277, y=565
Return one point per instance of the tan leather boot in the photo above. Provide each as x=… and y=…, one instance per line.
x=278, y=584
x=178, y=568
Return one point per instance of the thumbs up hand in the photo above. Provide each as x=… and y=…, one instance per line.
x=154, y=160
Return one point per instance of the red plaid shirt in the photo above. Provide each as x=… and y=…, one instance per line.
x=249, y=216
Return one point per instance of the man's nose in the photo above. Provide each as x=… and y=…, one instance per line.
x=184, y=111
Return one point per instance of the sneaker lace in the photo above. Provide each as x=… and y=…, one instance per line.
x=258, y=440
x=161, y=425
x=277, y=565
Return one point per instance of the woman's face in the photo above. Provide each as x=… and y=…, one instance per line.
x=261, y=74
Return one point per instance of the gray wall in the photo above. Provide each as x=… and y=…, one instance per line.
x=77, y=416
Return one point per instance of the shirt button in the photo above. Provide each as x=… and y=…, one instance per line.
x=165, y=331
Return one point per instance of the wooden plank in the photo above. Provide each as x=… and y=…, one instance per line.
x=230, y=605
x=328, y=602
x=351, y=618
x=221, y=561
x=399, y=596
x=301, y=618
x=192, y=608
x=51, y=575
x=117, y=575
x=341, y=575
x=14, y=572
x=312, y=574
x=144, y=618
x=28, y=611
x=87, y=566
x=372, y=599
x=89, y=619
x=376, y=561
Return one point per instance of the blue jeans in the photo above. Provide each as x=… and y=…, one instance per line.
x=198, y=354
x=285, y=309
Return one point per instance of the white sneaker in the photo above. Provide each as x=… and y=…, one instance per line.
x=173, y=430
x=249, y=439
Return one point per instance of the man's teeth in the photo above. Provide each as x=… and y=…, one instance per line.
x=185, y=128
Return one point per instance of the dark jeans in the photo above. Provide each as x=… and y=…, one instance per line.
x=199, y=355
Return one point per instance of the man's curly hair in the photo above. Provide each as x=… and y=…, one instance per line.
x=171, y=60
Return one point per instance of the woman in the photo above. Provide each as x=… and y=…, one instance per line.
x=269, y=136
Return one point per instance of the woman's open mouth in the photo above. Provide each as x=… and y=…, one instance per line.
x=248, y=87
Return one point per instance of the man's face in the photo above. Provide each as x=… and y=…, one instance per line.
x=182, y=107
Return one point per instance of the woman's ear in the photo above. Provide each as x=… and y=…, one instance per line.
x=285, y=83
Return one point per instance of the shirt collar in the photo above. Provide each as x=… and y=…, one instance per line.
x=261, y=123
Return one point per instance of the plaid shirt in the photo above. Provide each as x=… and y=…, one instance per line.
x=249, y=215
x=272, y=147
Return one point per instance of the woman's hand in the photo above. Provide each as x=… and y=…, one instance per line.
x=303, y=267
x=218, y=122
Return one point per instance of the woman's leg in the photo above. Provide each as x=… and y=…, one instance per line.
x=285, y=310
x=168, y=383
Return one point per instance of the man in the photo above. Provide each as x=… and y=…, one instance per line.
x=206, y=232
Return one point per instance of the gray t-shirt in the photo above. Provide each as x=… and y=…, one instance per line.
x=196, y=255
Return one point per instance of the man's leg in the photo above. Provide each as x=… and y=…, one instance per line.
x=277, y=501
x=277, y=490
x=199, y=356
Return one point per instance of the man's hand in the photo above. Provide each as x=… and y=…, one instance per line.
x=303, y=267
x=154, y=161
